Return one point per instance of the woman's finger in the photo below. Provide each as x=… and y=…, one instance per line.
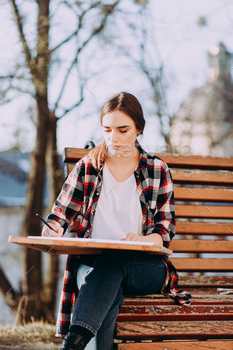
x=131, y=237
x=58, y=233
x=47, y=232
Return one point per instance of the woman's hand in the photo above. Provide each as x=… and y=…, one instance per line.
x=154, y=237
x=46, y=232
x=133, y=237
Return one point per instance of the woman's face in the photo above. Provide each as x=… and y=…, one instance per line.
x=119, y=133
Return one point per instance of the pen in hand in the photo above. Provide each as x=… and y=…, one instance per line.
x=45, y=222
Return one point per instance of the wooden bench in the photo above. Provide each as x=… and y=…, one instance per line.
x=203, y=255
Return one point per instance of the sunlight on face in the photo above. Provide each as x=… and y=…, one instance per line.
x=119, y=130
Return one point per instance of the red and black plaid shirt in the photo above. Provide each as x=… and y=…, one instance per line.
x=79, y=197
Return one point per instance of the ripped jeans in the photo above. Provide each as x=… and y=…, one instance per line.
x=115, y=272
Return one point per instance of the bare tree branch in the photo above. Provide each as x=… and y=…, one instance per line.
x=19, y=25
x=69, y=70
x=19, y=89
x=6, y=77
x=5, y=101
x=153, y=74
x=94, y=33
x=80, y=19
x=13, y=76
x=65, y=40
x=71, y=108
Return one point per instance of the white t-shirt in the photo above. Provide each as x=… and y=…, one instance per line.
x=118, y=210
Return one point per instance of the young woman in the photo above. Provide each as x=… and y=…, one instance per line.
x=121, y=192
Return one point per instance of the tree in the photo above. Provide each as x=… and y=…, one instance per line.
x=39, y=299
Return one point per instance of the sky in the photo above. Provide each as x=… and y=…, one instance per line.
x=177, y=41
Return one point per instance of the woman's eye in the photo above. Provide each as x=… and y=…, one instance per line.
x=121, y=131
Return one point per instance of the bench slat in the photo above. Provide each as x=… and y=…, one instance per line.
x=182, y=345
x=203, y=194
x=74, y=154
x=164, y=330
x=198, y=228
x=175, y=313
x=202, y=265
x=206, y=281
x=203, y=211
x=198, y=161
x=197, y=299
x=202, y=177
x=198, y=246
x=192, y=176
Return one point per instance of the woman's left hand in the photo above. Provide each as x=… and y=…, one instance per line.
x=154, y=237
x=133, y=237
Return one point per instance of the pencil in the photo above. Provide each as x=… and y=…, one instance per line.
x=45, y=222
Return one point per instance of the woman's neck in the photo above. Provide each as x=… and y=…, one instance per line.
x=123, y=158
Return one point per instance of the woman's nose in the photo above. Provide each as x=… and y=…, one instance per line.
x=113, y=136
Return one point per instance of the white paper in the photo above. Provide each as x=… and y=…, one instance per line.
x=74, y=239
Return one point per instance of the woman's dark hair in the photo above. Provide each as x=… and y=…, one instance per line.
x=123, y=102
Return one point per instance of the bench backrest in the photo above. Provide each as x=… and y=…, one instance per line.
x=203, y=189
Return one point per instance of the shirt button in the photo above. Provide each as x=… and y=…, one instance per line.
x=97, y=193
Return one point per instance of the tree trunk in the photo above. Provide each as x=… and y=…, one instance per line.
x=32, y=283
x=56, y=179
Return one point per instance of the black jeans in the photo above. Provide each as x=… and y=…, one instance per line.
x=116, y=272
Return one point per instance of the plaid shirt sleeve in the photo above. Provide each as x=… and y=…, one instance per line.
x=163, y=221
x=69, y=202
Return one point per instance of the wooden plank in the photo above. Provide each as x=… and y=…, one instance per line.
x=197, y=299
x=204, y=211
x=195, y=162
x=206, y=281
x=203, y=194
x=206, y=228
x=202, y=265
x=164, y=330
x=82, y=246
x=198, y=290
x=184, y=176
x=202, y=177
x=175, y=313
x=179, y=345
x=201, y=246
x=74, y=154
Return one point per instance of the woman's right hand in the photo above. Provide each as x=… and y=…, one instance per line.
x=46, y=232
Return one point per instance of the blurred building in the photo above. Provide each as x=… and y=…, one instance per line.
x=14, y=169
x=204, y=120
